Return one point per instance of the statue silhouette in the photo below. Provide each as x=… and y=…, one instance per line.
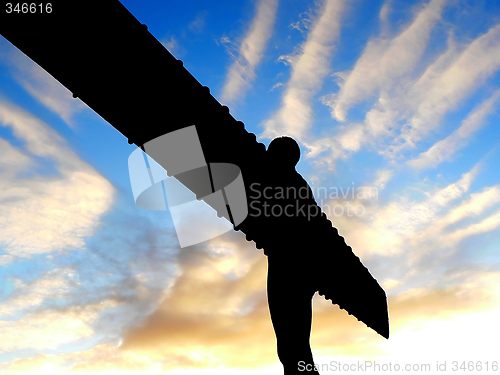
x=306, y=254
x=144, y=92
x=290, y=282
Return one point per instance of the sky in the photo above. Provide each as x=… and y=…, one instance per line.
x=395, y=105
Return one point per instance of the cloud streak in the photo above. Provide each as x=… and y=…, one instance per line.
x=310, y=65
x=445, y=149
x=409, y=110
x=479, y=61
x=43, y=214
x=40, y=84
x=381, y=68
x=242, y=71
x=384, y=61
x=390, y=229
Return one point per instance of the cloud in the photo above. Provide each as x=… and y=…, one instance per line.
x=469, y=294
x=477, y=204
x=465, y=308
x=242, y=71
x=120, y=278
x=445, y=149
x=40, y=84
x=12, y=160
x=480, y=60
x=488, y=224
x=211, y=315
x=310, y=65
x=28, y=324
x=217, y=310
x=53, y=284
x=420, y=234
x=458, y=223
x=172, y=44
x=216, y=307
x=198, y=24
x=279, y=84
x=383, y=177
x=42, y=214
x=383, y=61
x=50, y=329
x=384, y=18
x=414, y=108
x=385, y=65
x=115, y=265
x=389, y=229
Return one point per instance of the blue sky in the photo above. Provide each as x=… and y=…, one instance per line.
x=399, y=98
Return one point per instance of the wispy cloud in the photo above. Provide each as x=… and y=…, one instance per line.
x=242, y=71
x=279, y=84
x=383, y=177
x=198, y=24
x=49, y=329
x=310, y=65
x=42, y=214
x=464, y=220
x=389, y=229
x=487, y=224
x=184, y=335
x=445, y=149
x=383, y=66
x=418, y=104
x=217, y=305
x=171, y=43
x=40, y=84
x=53, y=206
x=421, y=234
x=480, y=60
x=477, y=204
x=31, y=325
x=384, y=19
x=383, y=61
x=53, y=284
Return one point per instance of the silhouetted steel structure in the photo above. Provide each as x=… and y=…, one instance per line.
x=109, y=60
